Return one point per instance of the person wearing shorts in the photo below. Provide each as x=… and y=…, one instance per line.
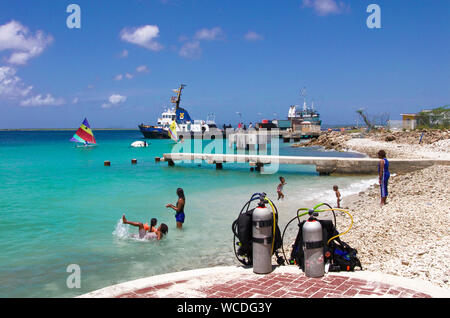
x=179, y=208
x=383, y=176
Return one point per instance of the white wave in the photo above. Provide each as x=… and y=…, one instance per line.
x=121, y=230
x=329, y=196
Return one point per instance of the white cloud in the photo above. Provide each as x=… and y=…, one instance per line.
x=143, y=36
x=12, y=85
x=209, y=34
x=253, y=36
x=142, y=69
x=191, y=50
x=325, y=7
x=124, y=54
x=38, y=100
x=114, y=99
x=75, y=100
x=24, y=45
x=139, y=69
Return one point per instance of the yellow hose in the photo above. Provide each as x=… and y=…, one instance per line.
x=342, y=210
x=274, y=224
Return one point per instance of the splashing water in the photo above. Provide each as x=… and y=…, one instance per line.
x=121, y=230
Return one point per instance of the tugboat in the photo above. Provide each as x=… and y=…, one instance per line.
x=186, y=127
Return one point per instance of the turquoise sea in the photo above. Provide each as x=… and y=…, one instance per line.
x=59, y=205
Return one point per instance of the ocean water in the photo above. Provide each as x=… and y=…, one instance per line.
x=59, y=206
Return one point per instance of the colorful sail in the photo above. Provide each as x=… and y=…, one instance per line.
x=173, y=131
x=84, y=134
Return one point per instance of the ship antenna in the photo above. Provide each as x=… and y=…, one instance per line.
x=303, y=93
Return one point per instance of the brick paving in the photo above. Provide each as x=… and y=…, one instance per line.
x=275, y=285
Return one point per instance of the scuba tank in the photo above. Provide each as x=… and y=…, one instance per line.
x=313, y=246
x=254, y=230
x=262, y=221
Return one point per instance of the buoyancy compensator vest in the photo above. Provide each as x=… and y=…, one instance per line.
x=243, y=237
x=338, y=254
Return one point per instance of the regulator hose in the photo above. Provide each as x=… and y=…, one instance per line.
x=349, y=228
x=255, y=196
x=274, y=222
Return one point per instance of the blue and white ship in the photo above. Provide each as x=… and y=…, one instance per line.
x=186, y=127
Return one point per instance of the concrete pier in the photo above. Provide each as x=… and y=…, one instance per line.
x=258, y=140
x=250, y=140
x=324, y=165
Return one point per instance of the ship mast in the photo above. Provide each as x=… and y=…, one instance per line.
x=177, y=99
x=303, y=93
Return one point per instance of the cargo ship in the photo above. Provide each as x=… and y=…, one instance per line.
x=305, y=119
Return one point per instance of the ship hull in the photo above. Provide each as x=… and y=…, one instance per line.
x=153, y=132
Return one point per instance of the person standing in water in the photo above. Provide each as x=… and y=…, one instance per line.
x=338, y=196
x=280, y=188
x=179, y=208
x=383, y=176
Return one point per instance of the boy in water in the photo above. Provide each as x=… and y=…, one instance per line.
x=280, y=188
x=338, y=196
x=153, y=232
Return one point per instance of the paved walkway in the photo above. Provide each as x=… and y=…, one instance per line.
x=283, y=282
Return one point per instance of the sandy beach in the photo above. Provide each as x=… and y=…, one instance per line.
x=409, y=236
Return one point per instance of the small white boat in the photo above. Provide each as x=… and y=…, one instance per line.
x=139, y=144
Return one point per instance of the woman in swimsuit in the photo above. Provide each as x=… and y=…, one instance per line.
x=179, y=208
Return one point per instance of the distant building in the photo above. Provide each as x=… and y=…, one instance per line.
x=409, y=121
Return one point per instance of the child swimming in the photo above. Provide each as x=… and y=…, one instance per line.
x=148, y=231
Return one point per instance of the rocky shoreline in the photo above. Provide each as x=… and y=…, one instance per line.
x=426, y=144
x=409, y=236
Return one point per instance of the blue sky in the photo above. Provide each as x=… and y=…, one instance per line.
x=242, y=56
